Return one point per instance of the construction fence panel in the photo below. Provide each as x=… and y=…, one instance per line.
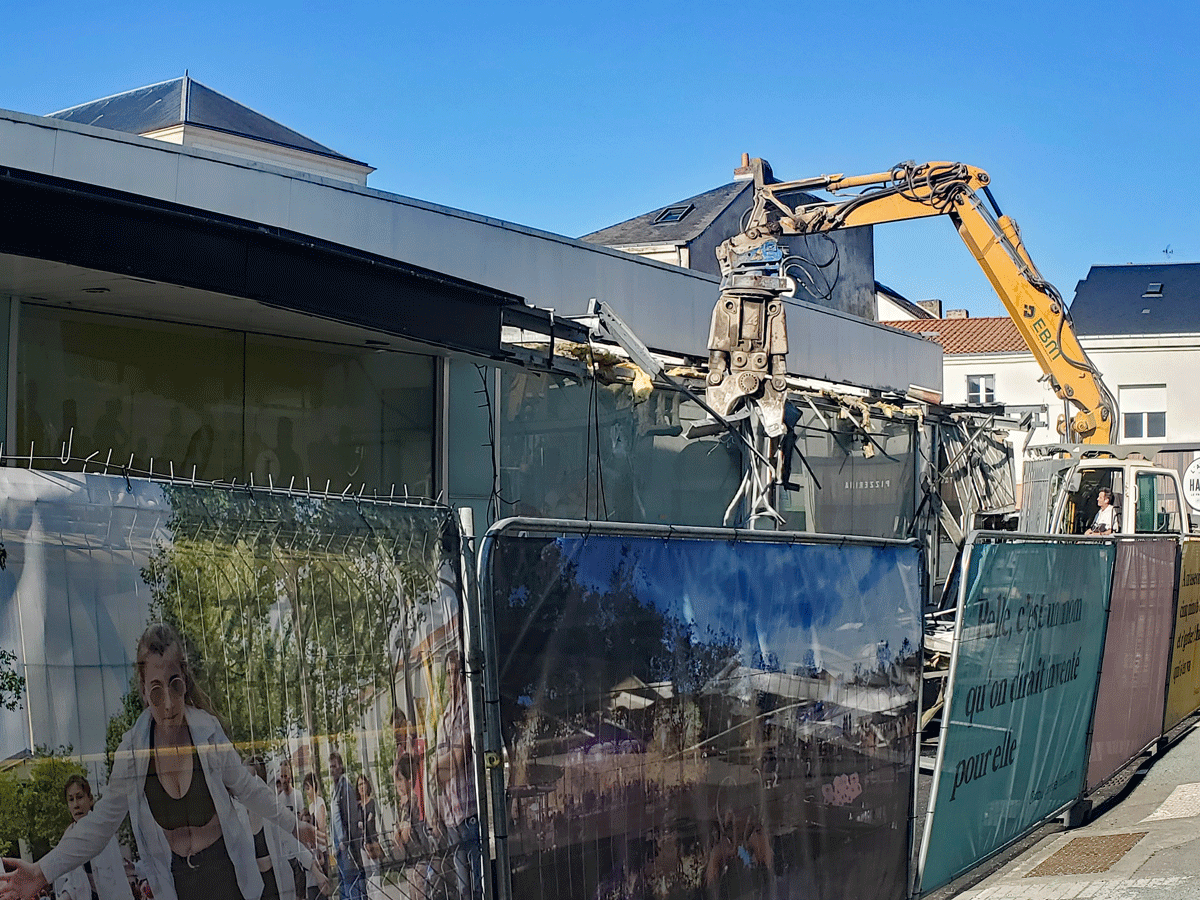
x=310, y=625
x=703, y=712
x=1183, y=685
x=1133, y=678
x=1014, y=741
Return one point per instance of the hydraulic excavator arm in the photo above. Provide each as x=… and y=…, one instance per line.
x=748, y=343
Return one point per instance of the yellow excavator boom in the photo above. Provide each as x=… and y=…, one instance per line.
x=911, y=191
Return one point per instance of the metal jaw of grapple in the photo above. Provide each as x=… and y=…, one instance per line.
x=747, y=345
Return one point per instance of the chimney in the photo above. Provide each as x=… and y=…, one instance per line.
x=933, y=307
x=957, y=314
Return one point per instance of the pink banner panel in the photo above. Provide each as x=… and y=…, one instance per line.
x=1133, y=678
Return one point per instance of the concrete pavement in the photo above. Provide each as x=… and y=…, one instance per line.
x=1144, y=847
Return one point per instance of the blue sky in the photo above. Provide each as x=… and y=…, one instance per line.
x=571, y=117
x=838, y=601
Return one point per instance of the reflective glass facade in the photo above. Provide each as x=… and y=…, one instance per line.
x=574, y=449
x=222, y=403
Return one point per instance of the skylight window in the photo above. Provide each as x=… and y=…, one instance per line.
x=673, y=214
x=1154, y=290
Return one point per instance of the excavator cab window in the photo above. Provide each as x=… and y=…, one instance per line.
x=1080, y=508
x=1157, y=504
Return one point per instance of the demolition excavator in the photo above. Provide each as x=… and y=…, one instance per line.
x=748, y=339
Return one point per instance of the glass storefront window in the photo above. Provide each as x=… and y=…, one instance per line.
x=222, y=403
x=349, y=416
x=571, y=450
x=146, y=389
x=861, y=491
x=574, y=448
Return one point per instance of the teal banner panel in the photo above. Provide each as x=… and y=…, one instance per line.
x=1015, y=742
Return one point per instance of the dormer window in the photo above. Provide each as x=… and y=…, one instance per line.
x=1154, y=290
x=673, y=214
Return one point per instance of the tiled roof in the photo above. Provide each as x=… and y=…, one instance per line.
x=185, y=101
x=988, y=334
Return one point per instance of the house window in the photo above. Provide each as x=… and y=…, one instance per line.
x=673, y=214
x=1143, y=411
x=1145, y=425
x=981, y=388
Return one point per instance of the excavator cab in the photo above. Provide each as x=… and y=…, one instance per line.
x=1080, y=504
x=1059, y=495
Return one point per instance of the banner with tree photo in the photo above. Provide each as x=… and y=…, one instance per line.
x=318, y=639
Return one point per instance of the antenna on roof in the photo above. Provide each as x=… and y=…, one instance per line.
x=1167, y=251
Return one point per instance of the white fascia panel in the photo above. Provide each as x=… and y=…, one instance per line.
x=27, y=146
x=341, y=216
x=234, y=190
x=120, y=166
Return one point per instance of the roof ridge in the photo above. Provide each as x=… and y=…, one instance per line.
x=151, y=108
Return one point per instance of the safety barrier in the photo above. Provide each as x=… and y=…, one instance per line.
x=290, y=632
x=703, y=713
x=1133, y=677
x=655, y=712
x=1071, y=657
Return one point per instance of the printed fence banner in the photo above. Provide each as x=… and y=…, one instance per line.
x=1133, y=675
x=1014, y=740
x=705, y=717
x=306, y=649
x=1183, y=685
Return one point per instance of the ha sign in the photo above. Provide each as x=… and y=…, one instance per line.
x=1191, y=485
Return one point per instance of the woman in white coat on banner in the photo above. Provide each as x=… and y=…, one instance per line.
x=177, y=776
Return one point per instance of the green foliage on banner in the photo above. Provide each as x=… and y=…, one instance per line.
x=12, y=685
x=31, y=803
x=294, y=610
x=11, y=813
x=385, y=759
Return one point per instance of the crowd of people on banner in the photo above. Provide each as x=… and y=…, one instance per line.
x=208, y=824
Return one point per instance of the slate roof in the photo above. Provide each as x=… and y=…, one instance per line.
x=1112, y=300
x=987, y=334
x=642, y=230
x=185, y=101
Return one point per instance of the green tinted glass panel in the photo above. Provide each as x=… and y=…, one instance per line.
x=1147, y=503
x=222, y=404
